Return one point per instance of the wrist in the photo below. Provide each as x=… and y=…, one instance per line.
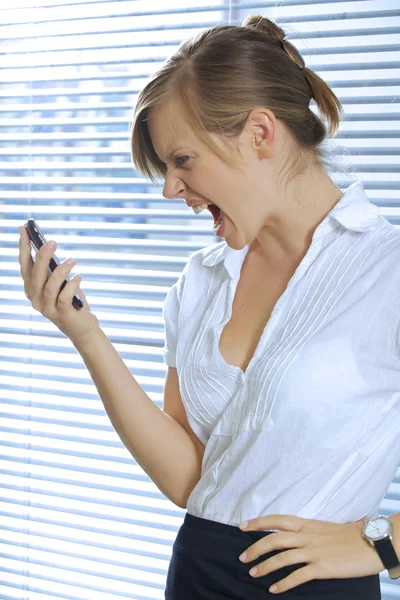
x=89, y=340
x=378, y=533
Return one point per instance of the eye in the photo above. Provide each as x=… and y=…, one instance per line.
x=180, y=161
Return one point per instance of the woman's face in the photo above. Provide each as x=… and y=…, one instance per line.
x=195, y=173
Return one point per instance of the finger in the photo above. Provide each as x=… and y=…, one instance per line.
x=272, y=522
x=64, y=300
x=40, y=273
x=51, y=290
x=279, y=561
x=83, y=298
x=271, y=542
x=296, y=578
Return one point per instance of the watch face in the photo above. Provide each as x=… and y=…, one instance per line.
x=378, y=528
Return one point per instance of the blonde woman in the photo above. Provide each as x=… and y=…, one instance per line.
x=280, y=427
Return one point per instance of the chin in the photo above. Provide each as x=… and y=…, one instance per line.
x=235, y=244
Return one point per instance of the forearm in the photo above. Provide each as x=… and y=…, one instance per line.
x=159, y=444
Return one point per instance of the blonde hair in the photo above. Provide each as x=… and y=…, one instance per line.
x=218, y=76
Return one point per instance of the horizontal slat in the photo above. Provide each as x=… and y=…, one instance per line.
x=385, y=131
x=389, y=590
x=390, y=164
x=332, y=76
x=134, y=197
x=117, y=569
x=21, y=4
x=47, y=589
x=158, y=523
x=376, y=115
x=94, y=58
x=144, y=507
x=55, y=402
x=125, y=571
x=134, y=484
x=89, y=43
x=57, y=360
x=127, y=106
x=41, y=328
x=69, y=465
x=126, y=228
x=68, y=376
x=92, y=241
x=346, y=145
x=44, y=576
x=118, y=557
x=32, y=92
x=16, y=5
x=148, y=307
x=11, y=150
x=120, y=197
x=106, y=12
x=371, y=182
x=95, y=258
x=111, y=26
x=93, y=211
x=66, y=138
x=151, y=292
x=137, y=229
x=92, y=44
x=76, y=180
x=165, y=278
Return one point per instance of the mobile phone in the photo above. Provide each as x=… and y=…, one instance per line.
x=37, y=240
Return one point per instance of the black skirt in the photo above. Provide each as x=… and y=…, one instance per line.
x=205, y=565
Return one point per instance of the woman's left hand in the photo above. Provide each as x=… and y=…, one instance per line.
x=330, y=550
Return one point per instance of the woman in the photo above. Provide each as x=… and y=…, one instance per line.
x=281, y=399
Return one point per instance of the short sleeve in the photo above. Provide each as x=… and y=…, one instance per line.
x=171, y=310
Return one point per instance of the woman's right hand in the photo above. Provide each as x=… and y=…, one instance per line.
x=44, y=292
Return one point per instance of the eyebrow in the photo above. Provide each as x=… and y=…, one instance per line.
x=171, y=154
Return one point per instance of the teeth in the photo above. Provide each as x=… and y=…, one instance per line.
x=217, y=224
x=198, y=209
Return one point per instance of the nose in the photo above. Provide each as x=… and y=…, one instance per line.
x=173, y=187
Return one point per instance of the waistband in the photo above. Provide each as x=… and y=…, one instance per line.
x=203, y=535
x=205, y=524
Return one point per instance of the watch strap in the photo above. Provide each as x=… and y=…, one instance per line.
x=387, y=554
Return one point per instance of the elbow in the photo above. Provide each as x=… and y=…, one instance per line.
x=182, y=499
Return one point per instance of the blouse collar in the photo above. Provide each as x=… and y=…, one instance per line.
x=354, y=211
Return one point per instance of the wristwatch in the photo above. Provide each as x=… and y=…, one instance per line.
x=378, y=532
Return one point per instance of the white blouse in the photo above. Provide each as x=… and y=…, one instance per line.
x=312, y=427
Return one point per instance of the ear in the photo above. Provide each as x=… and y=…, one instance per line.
x=261, y=129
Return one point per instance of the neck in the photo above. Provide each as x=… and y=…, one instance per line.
x=305, y=202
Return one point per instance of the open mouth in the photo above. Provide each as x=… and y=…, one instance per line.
x=216, y=213
x=214, y=210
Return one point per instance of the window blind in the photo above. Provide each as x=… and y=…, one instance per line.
x=79, y=519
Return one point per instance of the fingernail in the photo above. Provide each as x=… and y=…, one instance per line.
x=70, y=261
x=273, y=588
x=243, y=556
x=253, y=571
x=243, y=525
x=51, y=245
